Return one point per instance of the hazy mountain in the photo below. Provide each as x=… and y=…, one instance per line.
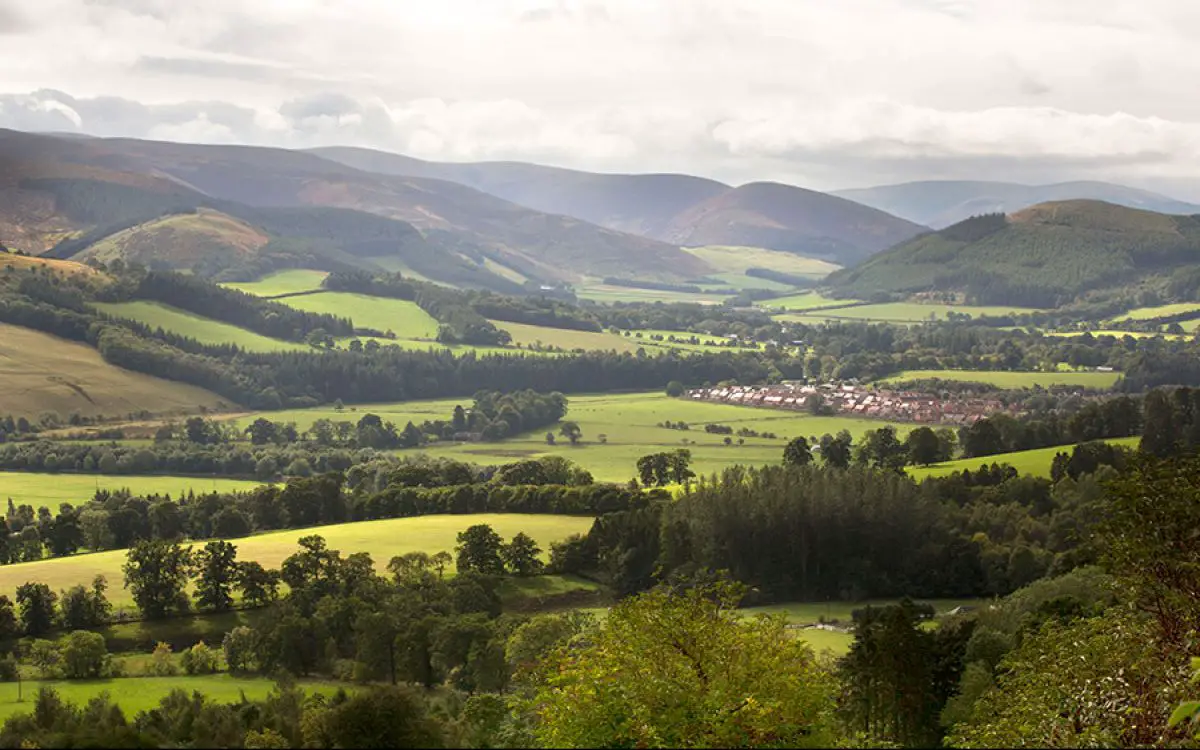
x=674, y=208
x=939, y=204
x=57, y=187
x=1041, y=256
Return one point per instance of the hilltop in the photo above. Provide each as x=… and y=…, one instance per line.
x=941, y=203
x=59, y=189
x=1043, y=256
x=674, y=208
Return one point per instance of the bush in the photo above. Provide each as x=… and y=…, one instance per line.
x=239, y=645
x=200, y=659
x=44, y=656
x=161, y=664
x=84, y=655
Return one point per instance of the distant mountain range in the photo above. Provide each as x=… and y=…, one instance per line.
x=1042, y=256
x=53, y=189
x=673, y=208
x=939, y=204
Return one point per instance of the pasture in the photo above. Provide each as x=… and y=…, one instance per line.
x=1013, y=380
x=1161, y=311
x=530, y=335
x=52, y=489
x=204, y=330
x=281, y=282
x=628, y=421
x=900, y=312
x=1035, y=462
x=383, y=540
x=629, y=424
x=803, y=301
x=607, y=293
x=402, y=317
x=732, y=263
x=40, y=372
x=136, y=694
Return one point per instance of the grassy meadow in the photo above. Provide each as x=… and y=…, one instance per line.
x=1013, y=380
x=52, y=489
x=281, y=282
x=607, y=293
x=383, y=540
x=135, y=694
x=893, y=312
x=1161, y=311
x=1034, y=462
x=628, y=421
x=529, y=335
x=40, y=372
x=402, y=317
x=629, y=424
x=204, y=330
x=803, y=301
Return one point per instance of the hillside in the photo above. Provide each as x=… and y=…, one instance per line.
x=456, y=217
x=1043, y=256
x=203, y=240
x=639, y=204
x=43, y=373
x=679, y=209
x=782, y=217
x=939, y=204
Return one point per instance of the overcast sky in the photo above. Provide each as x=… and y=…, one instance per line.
x=822, y=93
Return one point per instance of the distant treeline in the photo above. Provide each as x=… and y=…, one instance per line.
x=790, y=279
x=662, y=286
x=116, y=520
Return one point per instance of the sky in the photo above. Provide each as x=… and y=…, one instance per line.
x=827, y=94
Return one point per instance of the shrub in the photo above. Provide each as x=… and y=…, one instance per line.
x=161, y=664
x=239, y=647
x=44, y=656
x=200, y=659
x=84, y=655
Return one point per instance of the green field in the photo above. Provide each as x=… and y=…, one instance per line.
x=732, y=262
x=1162, y=311
x=629, y=422
x=1036, y=462
x=804, y=301
x=1012, y=380
x=52, y=489
x=1121, y=334
x=135, y=694
x=281, y=282
x=528, y=335
x=901, y=312
x=402, y=317
x=606, y=293
x=382, y=539
x=204, y=330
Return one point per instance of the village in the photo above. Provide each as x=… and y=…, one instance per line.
x=857, y=400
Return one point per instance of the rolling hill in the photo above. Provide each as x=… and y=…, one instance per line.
x=674, y=208
x=939, y=204
x=1042, y=256
x=42, y=373
x=73, y=186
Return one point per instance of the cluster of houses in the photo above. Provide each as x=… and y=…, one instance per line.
x=855, y=400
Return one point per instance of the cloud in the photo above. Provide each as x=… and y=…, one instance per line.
x=826, y=95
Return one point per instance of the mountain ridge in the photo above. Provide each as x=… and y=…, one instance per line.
x=670, y=207
x=942, y=203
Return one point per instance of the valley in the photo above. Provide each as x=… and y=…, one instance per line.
x=405, y=433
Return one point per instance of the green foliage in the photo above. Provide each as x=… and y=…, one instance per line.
x=479, y=550
x=238, y=647
x=156, y=572
x=161, y=663
x=84, y=655
x=36, y=603
x=199, y=659
x=217, y=573
x=683, y=671
x=797, y=452
x=521, y=556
